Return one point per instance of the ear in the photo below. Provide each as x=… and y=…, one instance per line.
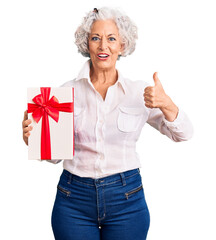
x=122, y=47
x=88, y=47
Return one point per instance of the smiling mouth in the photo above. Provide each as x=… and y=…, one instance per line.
x=102, y=56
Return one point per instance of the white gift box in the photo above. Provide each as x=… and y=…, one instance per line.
x=61, y=129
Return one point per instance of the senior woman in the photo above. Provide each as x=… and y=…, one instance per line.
x=100, y=193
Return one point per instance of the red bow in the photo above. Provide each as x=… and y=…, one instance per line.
x=43, y=108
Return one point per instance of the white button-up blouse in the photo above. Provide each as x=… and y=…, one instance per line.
x=106, y=131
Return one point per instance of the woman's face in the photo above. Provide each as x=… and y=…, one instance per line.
x=104, y=44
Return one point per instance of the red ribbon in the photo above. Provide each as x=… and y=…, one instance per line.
x=43, y=108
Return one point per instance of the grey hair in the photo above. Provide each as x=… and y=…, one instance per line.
x=127, y=29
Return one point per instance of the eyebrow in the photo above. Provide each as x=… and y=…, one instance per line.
x=99, y=35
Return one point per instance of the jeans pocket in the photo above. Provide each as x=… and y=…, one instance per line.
x=133, y=191
x=63, y=191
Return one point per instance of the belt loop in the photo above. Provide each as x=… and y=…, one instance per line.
x=69, y=178
x=123, y=179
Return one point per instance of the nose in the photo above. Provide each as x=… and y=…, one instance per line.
x=103, y=44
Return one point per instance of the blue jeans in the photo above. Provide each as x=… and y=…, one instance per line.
x=108, y=208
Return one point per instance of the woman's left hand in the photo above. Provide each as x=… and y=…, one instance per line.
x=155, y=97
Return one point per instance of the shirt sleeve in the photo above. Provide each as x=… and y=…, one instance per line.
x=180, y=129
x=54, y=161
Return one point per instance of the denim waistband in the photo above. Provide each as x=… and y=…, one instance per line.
x=104, y=180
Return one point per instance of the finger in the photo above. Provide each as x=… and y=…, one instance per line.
x=156, y=79
x=26, y=122
x=149, y=94
x=148, y=105
x=25, y=118
x=149, y=100
x=27, y=129
x=146, y=96
x=27, y=134
x=148, y=89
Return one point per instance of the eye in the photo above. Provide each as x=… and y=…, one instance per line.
x=112, y=39
x=95, y=38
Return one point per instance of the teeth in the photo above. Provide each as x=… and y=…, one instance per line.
x=103, y=55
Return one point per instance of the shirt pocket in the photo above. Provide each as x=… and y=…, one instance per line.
x=129, y=119
x=78, y=118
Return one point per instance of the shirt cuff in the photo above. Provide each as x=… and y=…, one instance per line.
x=176, y=124
x=51, y=161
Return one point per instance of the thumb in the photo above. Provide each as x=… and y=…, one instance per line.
x=156, y=79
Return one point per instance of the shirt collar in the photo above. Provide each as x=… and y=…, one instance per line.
x=84, y=74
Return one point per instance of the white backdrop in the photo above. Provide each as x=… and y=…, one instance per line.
x=177, y=39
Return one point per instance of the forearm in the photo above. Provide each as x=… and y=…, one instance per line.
x=180, y=129
x=170, y=110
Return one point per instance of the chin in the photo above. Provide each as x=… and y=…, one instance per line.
x=104, y=64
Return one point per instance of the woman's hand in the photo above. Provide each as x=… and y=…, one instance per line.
x=26, y=127
x=155, y=97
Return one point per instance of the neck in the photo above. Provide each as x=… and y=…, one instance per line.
x=101, y=76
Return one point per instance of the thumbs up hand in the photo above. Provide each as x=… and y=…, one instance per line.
x=155, y=97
